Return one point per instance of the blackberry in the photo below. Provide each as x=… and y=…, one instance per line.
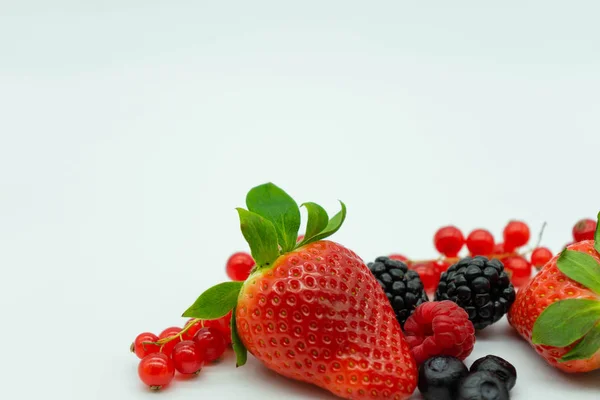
x=480, y=286
x=402, y=287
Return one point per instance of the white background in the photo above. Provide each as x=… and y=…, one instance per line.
x=131, y=129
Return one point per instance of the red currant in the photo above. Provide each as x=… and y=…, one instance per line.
x=520, y=270
x=239, y=266
x=540, y=257
x=223, y=325
x=500, y=252
x=480, y=242
x=142, y=349
x=428, y=274
x=516, y=234
x=449, y=240
x=498, y=248
x=156, y=370
x=398, y=257
x=191, y=332
x=441, y=266
x=584, y=230
x=167, y=348
x=211, y=343
x=187, y=357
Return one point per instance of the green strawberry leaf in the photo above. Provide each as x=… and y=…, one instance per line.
x=332, y=226
x=565, y=321
x=585, y=349
x=215, y=302
x=580, y=267
x=241, y=353
x=275, y=205
x=597, y=235
x=317, y=221
x=261, y=236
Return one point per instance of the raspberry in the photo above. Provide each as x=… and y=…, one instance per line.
x=439, y=328
x=449, y=240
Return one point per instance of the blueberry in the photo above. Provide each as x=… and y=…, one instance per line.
x=439, y=377
x=481, y=385
x=499, y=367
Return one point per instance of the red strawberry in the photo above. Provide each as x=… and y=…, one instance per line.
x=311, y=311
x=559, y=310
x=319, y=316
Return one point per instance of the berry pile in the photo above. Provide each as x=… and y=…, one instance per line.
x=312, y=310
x=447, y=378
x=184, y=350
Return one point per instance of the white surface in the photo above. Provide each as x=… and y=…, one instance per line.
x=130, y=131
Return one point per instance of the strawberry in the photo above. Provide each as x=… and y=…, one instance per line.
x=558, y=312
x=311, y=311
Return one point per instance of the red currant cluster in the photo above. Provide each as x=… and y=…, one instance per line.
x=184, y=350
x=449, y=241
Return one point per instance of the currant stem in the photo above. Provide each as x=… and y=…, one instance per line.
x=540, y=235
x=166, y=340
